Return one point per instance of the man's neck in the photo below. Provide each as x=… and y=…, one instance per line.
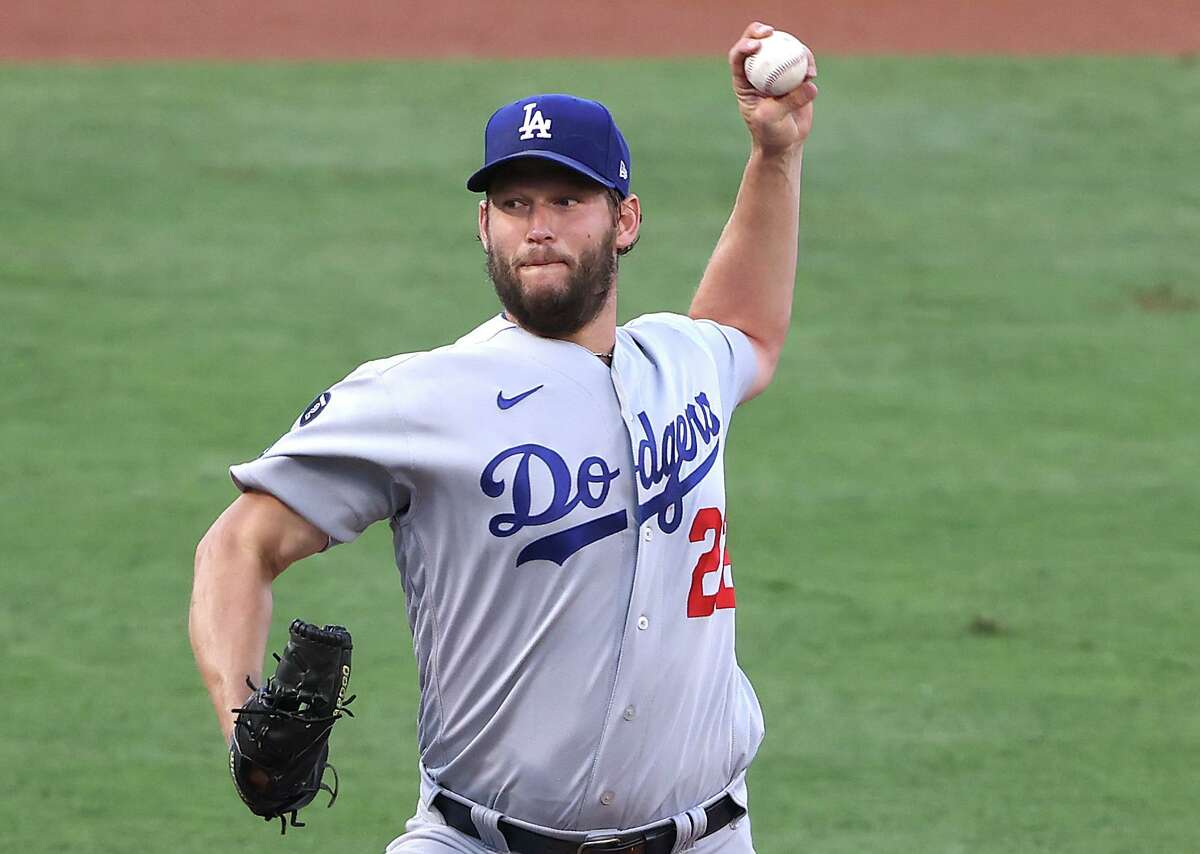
x=599, y=335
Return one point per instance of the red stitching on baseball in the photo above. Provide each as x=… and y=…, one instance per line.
x=778, y=72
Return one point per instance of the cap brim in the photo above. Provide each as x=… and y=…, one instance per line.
x=478, y=182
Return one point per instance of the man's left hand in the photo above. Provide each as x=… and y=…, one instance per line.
x=777, y=125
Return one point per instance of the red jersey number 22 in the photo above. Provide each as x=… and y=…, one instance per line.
x=716, y=559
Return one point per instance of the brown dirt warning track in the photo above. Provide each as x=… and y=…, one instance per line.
x=56, y=30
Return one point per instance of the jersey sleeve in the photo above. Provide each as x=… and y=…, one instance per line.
x=734, y=355
x=341, y=466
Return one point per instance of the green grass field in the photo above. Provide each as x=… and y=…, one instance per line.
x=964, y=518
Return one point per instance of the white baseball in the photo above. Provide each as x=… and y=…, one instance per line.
x=779, y=65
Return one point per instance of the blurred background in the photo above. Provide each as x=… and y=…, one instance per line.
x=963, y=520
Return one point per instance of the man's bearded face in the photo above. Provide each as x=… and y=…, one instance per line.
x=550, y=292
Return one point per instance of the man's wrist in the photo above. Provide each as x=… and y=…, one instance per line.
x=786, y=160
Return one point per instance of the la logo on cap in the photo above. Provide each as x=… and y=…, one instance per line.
x=534, y=123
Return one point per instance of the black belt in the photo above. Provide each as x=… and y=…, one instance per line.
x=656, y=840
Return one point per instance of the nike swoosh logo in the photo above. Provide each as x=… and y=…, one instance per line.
x=509, y=402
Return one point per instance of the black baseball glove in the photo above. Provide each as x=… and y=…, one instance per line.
x=280, y=743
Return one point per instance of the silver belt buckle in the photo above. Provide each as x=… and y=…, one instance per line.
x=612, y=845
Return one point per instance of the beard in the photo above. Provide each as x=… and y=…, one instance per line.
x=555, y=312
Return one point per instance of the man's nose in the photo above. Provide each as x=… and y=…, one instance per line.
x=541, y=224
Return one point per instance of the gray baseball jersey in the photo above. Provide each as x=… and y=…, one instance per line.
x=560, y=531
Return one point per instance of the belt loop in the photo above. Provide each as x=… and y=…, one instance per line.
x=699, y=818
x=429, y=799
x=429, y=789
x=487, y=824
x=683, y=833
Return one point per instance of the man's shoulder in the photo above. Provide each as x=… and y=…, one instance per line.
x=485, y=332
x=667, y=325
x=659, y=319
x=664, y=328
x=407, y=365
x=379, y=368
x=425, y=374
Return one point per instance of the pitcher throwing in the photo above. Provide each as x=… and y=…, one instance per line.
x=555, y=486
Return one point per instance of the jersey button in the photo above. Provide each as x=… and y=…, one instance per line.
x=630, y=713
x=643, y=623
x=607, y=798
x=647, y=534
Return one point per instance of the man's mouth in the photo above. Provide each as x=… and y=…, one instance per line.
x=541, y=262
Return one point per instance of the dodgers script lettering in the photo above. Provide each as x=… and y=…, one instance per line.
x=592, y=483
x=542, y=488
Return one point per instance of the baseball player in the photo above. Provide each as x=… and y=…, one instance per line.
x=555, y=487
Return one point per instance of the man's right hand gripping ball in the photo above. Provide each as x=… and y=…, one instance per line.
x=280, y=744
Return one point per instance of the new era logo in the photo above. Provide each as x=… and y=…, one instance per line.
x=535, y=123
x=624, y=172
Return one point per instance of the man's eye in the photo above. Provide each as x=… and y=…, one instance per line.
x=568, y=202
x=512, y=204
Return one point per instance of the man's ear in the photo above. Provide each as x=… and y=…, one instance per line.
x=483, y=221
x=629, y=221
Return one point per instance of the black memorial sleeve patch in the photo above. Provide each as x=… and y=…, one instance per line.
x=316, y=407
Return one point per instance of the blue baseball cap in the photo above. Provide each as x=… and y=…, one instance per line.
x=578, y=133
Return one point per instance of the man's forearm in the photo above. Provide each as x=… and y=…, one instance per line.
x=749, y=280
x=229, y=620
